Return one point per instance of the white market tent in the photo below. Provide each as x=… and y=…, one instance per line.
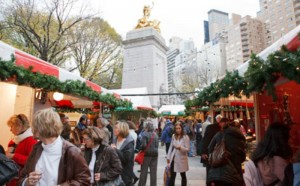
x=173, y=110
x=137, y=101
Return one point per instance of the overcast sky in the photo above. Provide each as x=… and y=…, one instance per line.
x=182, y=18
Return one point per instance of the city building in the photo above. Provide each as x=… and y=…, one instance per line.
x=279, y=17
x=206, y=31
x=244, y=36
x=211, y=62
x=217, y=21
x=171, y=55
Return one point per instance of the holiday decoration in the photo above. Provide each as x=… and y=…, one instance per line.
x=22, y=76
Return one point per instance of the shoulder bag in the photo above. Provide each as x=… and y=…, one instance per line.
x=8, y=169
x=220, y=155
x=116, y=182
x=141, y=155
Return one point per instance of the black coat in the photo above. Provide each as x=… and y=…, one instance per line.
x=111, y=167
x=235, y=143
x=111, y=130
x=210, y=132
x=126, y=155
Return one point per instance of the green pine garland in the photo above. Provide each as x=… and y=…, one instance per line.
x=23, y=76
x=260, y=75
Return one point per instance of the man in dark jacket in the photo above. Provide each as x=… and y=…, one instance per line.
x=210, y=132
x=235, y=142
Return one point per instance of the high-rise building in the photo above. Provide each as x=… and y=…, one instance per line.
x=279, y=17
x=217, y=21
x=243, y=38
x=171, y=55
x=206, y=31
x=174, y=43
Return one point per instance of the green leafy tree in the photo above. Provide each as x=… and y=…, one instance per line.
x=97, y=51
x=40, y=27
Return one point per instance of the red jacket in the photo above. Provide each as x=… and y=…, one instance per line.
x=21, y=153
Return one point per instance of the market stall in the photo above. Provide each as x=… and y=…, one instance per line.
x=29, y=84
x=141, y=106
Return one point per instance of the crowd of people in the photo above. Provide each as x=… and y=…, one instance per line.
x=49, y=152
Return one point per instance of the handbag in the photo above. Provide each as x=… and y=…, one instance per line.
x=8, y=169
x=220, y=155
x=141, y=155
x=116, y=182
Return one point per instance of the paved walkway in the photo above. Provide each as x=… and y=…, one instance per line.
x=195, y=176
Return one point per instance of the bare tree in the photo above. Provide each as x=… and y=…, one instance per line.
x=96, y=48
x=41, y=26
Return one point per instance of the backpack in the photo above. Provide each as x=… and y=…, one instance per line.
x=252, y=176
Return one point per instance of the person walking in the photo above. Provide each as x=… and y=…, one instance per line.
x=177, y=158
x=198, y=133
x=189, y=130
x=210, y=132
x=23, y=142
x=167, y=133
x=104, y=163
x=229, y=174
x=124, y=145
x=150, y=140
x=53, y=160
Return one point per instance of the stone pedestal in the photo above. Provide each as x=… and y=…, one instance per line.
x=145, y=62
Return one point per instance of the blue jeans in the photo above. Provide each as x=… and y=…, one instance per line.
x=192, y=147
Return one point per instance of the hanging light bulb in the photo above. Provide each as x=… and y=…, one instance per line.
x=57, y=96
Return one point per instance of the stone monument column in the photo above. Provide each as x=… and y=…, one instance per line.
x=145, y=62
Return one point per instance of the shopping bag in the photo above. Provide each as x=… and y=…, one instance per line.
x=167, y=176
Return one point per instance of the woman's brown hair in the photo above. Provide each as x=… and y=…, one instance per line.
x=94, y=133
x=178, y=123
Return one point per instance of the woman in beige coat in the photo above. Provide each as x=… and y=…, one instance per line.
x=177, y=158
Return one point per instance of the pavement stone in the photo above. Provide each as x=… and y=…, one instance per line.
x=196, y=175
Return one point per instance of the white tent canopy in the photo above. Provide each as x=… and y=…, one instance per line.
x=137, y=101
x=173, y=109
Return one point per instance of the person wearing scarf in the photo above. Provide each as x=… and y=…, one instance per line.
x=22, y=144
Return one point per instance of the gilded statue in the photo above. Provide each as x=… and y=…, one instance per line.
x=146, y=22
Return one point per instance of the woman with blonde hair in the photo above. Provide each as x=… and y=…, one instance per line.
x=53, y=160
x=103, y=161
x=177, y=157
x=124, y=145
x=22, y=144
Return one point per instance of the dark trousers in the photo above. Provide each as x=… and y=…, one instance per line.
x=167, y=147
x=150, y=162
x=173, y=176
x=207, y=167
